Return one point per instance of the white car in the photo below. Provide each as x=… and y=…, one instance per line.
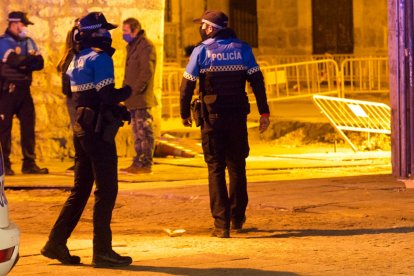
x=9, y=233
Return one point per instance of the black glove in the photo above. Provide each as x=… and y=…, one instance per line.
x=123, y=93
x=112, y=96
x=34, y=62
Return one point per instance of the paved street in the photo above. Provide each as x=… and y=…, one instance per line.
x=309, y=214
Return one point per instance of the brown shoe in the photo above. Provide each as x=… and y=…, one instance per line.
x=136, y=170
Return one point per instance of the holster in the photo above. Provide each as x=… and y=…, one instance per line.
x=84, y=121
x=110, y=119
x=196, y=112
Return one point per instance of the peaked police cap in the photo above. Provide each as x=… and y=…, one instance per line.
x=18, y=16
x=216, y=19
x=94, y=21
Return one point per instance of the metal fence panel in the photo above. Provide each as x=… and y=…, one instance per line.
x=355, y=115
x=170, y=98
x=365, y=75
x=301, y=79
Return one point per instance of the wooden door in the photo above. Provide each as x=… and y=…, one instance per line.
x=243, y=20
x=333, y=28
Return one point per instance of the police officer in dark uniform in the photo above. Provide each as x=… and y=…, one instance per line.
x=19, y=57
x=98, y=117
x=222, y=64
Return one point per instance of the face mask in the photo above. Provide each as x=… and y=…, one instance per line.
x=127, y=37
x=23, y=33
x=203, y=34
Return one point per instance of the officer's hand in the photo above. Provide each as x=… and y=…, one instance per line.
x=187, y=122
x=264, y=123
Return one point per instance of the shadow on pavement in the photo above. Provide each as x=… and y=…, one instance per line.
x=325, y=233
x=204, y=271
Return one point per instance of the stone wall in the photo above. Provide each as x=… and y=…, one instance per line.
x=370, y=27
x=53, y=18
x=285, y=27
x=191, y=9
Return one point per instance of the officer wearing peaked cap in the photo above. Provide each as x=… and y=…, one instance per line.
x=19, y=57
x=98, y=117
x=223, y=64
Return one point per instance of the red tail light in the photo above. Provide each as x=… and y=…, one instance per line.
x=6, y=254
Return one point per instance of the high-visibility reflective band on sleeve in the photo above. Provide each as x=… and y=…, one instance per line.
x=6, y=55
x=104, y=83
x=82, y=87
x=253, y=70
x=190, y=77
x=225, y=68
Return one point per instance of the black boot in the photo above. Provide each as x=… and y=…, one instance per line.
x=60, y=252
x=34, y=169
x=110, y=259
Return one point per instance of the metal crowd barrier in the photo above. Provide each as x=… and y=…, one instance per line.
x=171, y=81
x=269, y=60
x=355, y=115
x=364, y=75
x=302, y=79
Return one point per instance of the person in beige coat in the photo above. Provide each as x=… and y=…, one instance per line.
x=139, y=75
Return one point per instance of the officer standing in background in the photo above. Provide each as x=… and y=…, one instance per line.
x=98, y=117
x=223, y=63
x=19, y=57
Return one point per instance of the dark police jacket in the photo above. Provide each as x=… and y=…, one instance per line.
x=222, y=64
x=19, y=58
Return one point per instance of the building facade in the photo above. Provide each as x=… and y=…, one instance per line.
x=288, y=27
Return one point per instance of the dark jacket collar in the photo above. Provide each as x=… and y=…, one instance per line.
x=140, y=35
x=224, y=34
x=15, y=37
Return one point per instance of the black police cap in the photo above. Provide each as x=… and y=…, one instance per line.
x=18, y=16
x=216, y=19
x=94, y=21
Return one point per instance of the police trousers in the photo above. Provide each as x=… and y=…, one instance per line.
x=18, y=102
x=95, y=161
x=225, y=145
